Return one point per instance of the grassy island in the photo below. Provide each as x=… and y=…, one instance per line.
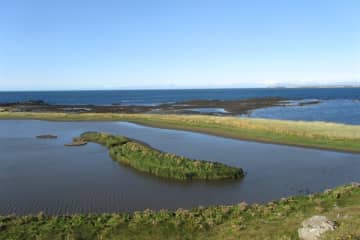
x=275, y=220
x=146, y=159
x=322, y=135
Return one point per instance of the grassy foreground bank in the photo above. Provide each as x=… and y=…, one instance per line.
x=275, y=220
x=146, y=159
x=307, y=134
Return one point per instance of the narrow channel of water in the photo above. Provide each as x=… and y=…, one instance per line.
x=43, y=175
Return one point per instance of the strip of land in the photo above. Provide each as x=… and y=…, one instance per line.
x=320, y=135
x=275, y=220
x=229, y=107
x=146, y=159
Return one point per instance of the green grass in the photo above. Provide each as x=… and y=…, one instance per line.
x=321, y=135
x=275, y=220
x=146, y=159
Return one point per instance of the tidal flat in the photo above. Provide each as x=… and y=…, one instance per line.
x=43, y=175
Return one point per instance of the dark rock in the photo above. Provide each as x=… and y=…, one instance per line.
x=46, y=136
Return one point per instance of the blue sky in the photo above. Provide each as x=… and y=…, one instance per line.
x=78, y=44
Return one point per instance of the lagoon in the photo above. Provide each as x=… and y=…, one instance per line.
x=44, y=175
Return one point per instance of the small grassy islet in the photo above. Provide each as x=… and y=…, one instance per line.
x=146, y=159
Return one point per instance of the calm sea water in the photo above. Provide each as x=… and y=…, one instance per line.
x=340, y=111
x=44, y=175
x=166, y=96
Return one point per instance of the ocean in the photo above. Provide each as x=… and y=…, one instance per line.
x=153, y=97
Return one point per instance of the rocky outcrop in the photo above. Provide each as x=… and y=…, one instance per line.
x=230, y=107
x=312, y=228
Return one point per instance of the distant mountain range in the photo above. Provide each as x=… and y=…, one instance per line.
x=335, y=85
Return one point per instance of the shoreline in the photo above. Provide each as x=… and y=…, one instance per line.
x=281, y=219
x=315, y=135
x=230, y=136
x=227, y=108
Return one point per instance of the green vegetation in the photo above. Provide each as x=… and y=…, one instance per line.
x=322, y=135
x=275, y=220
x=146, y=159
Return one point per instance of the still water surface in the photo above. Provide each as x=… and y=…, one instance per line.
x=43, y=175
x=339, y=111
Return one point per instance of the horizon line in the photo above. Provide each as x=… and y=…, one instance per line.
x=183, y=88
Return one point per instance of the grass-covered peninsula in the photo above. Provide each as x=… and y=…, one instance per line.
x=275, y=220
x=321, y=135
x=146, y=159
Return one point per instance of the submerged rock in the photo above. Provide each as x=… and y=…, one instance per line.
x=313, y=227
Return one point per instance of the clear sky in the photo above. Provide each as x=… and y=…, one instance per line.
x=120, y=44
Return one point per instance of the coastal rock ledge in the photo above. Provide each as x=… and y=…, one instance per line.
x=313, y=227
